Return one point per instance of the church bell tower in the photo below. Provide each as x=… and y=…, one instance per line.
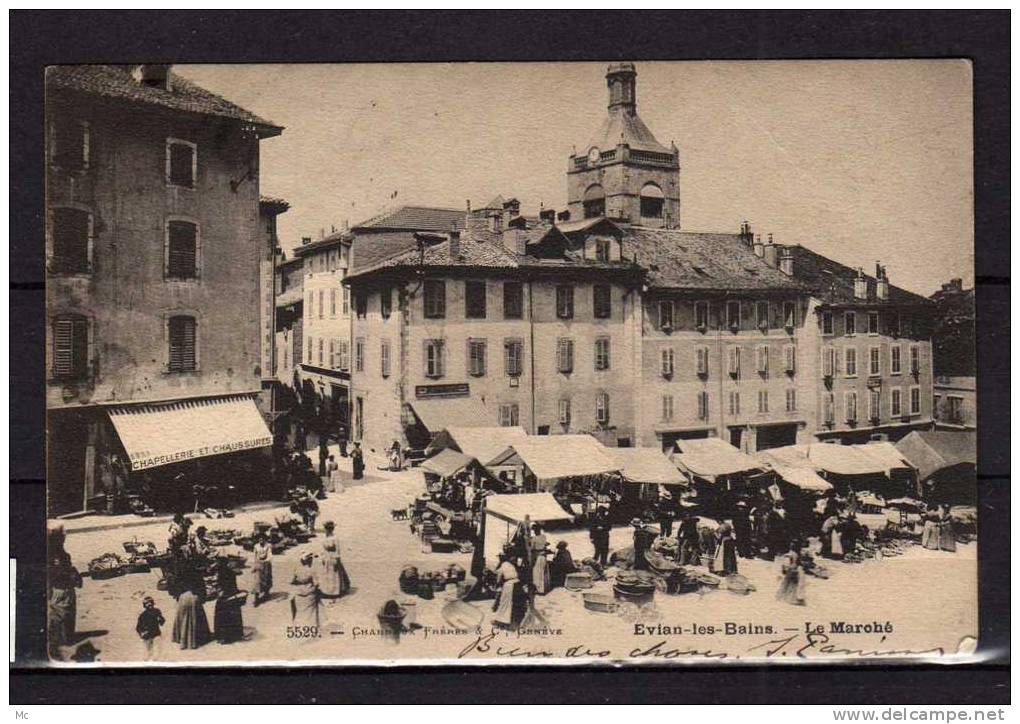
x=624, y=173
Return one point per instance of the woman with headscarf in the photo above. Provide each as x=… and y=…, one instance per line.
x=304, y=593
x=930, y=531
x=191, y=627
x=228, y=624
x=725, y=561
x=505, y=613
x=62, y=578
x=333, y=579
x=946, y=532
x=832, y=537
x=540, y=565
x=261, y=570
x=562, y=564
x=791, y=586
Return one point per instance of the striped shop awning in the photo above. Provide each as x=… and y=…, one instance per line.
x=155, y=434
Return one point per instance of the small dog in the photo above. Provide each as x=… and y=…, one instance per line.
x=399, y=514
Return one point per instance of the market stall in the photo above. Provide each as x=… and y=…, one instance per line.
x=799, y=483
x=720, y=473
x=504, y=513
x=946, y=464
x=483, y=444
x=849, y=467
x=644, y=472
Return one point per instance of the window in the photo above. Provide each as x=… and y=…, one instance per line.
x=733, y=315
x=829, y=409
x=386, y=303
x=652, y=202
x=850, y=362
x=344, y=354
x=667, y=408
x=734, y=362
x=827, y=327
x=565, y=301
x=565, y=355
x=332, y=302
x=936, y=404
x=874, y=405
x=602, y=301
x=895, y=402
x=791, y=400
x=513, y=300
x=873, y=323
x=345, y=301
x=701, y=360
x=850, y=406
x=320, y=352
x=360, y=305
x=474, y=300
x=789, y=315
x=703, y=406
x=602, y=354
x=476, y=357
x=790, y=359
x=734, y=403
x=895, y=360
x=701, y=315
x=602, y=250
x=666, y=315
x=763, y=401
x=829, y=362
x=70, y=347
x=359, y=355
x=915, y=400
x=564, y=411
x=434, y=358
x=954, y=410
x=761, y=314
x=594, y=202
x=667, y=362
x=384, y=358
x=513, y=356
x=602, y=408
x=509, y=415
x=893, y=320
x=181, y=344
x=332, y=352
x=874, y=361
x=71, y=145
x=308, y=349
x=850, y=323
x=72, y=241
x=763, y=359
x=435, y=299
x=915, y=360
x=181, y=163
x=322, y=306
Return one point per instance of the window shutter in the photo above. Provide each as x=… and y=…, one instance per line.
x=734, y=361
x=790, y=353
x=63, y=344
x=702, y=360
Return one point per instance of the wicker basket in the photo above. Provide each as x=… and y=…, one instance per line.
x=578, y=581
x=600, y=603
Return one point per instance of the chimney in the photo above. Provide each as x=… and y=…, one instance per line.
x=881, y=282
x=512, y=208
x=306, y=240
x=454, y=236
x=622, y=81
x=759, y=248
x=155, y=75
x=771, y=253
x=786, y=262
x=745, y=233
x=548, y=215
x=860, y=285
x=563, y=215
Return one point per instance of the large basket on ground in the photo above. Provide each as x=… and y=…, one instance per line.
x=600, y=603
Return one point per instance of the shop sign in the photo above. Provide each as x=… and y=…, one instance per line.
x=459, y=389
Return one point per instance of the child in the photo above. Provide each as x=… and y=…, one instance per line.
x=149, y=621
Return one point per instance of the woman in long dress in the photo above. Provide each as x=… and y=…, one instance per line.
x=946, y=533
x=62, y=579
x=304, y=593
x=562, y=564
x=228, y=624
x=261, y=570
x=191, y=627
x=791, y=586
x=725, y=562
x=333, y=579
x=832, y=537
x=508, y=580
x=930, y=532
x=540, y=565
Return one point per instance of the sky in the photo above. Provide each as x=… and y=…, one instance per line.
x=862, y=161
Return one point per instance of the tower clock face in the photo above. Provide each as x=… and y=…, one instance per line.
x=594, y=155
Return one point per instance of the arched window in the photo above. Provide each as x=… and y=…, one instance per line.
x=594, y=202
x=652, y=201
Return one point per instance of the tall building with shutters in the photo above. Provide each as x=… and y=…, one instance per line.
x=155, y=284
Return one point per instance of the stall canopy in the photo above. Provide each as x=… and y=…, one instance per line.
x=931, y=451
x=794, y=467
x=438, y=413
x=712, y=457
x=550, y=457
x=481, y=443
x=537, y=507
x=885, y=455
x=843, y=460
x=446, y=463
x=160, y=434
x=646, y=465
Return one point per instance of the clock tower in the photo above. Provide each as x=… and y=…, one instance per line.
x=624, y=173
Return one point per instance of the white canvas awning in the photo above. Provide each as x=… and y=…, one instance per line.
x=550, y=457
x=843, y=460
x=646, y=465
x=164, y=433
x=885, y=455
x=439, y=413
x=481, y=443
x=712, y=457
x=537, y=507
x=446, y=463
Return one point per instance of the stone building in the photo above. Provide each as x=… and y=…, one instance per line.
x=153, y=253
x=955, y=357
x=289, y=321
x=269, y=209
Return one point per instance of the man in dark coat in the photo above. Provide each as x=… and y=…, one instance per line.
x=742, y=530
x=642, y=544
x=690, y=549
x=598, y=531
x=358, y=461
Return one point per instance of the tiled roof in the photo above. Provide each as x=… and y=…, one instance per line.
x=693, y=260
x=115, y=81
x=477, y=249
x=621, y=127
x=274, y=202
x=415, y=218
x=833, y=282
x=334, y=239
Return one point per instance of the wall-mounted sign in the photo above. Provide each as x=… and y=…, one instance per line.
x=459, y=389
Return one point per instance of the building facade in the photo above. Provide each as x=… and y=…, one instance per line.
x=289, y=321
x=153, y=256
x=955, y=357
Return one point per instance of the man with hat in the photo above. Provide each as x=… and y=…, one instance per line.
x=598, y=531
x=742, y=530
x=642, y=543
x=664, y=514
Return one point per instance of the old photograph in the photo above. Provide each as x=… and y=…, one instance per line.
x=573, y=363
